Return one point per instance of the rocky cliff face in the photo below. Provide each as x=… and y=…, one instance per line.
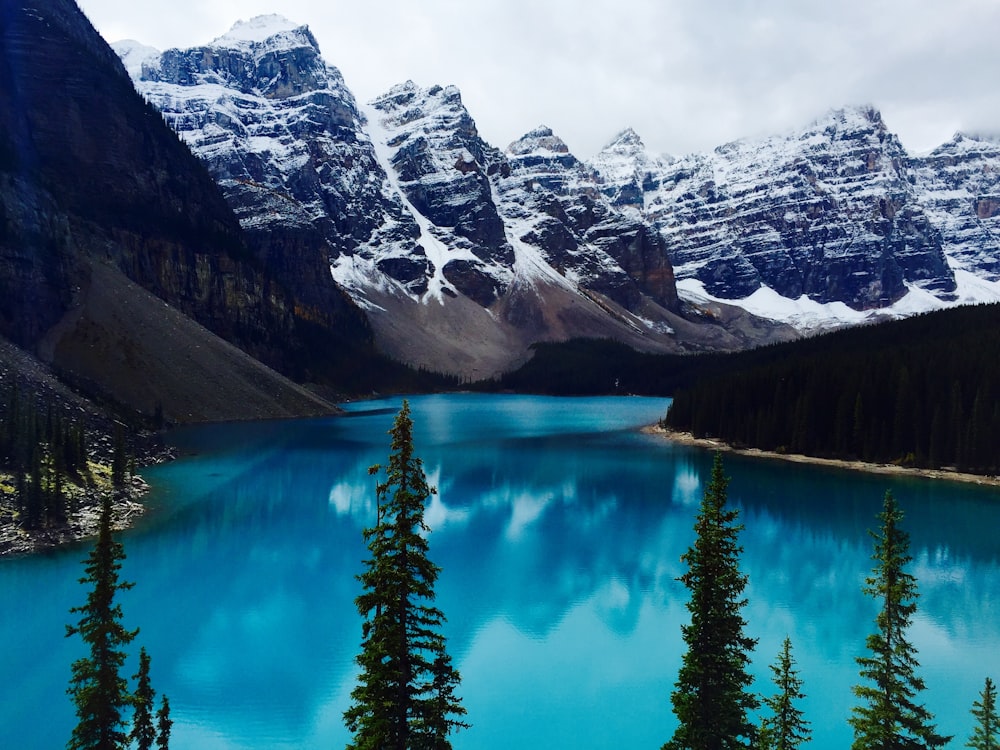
x=438, y=235
x=92, y=179
x=836, y=213
x=829, y=213
x=958, y=187
x=435, y=158
x=550, y=195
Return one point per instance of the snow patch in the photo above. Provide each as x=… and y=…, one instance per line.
x=257, y=29
x=808, y=316
x=134, y=55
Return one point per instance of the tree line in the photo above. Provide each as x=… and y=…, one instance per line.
x=919, y=392
x=406, y=696
x=99, y=692
x=48, y=454
x=712, y=699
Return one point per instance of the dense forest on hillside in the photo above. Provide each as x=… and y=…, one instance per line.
x=922, y=391
x=588, y=367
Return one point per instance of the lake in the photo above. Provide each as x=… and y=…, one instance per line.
x=559, y=529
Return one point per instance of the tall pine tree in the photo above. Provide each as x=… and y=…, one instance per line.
x=163, y=724
x=889, y=716
x=96, y=685
x=143, y=732
x=711, y=698
x=405, y=697
x=785, y=728
x=984, y=735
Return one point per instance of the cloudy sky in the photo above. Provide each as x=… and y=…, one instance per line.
x=687, y=75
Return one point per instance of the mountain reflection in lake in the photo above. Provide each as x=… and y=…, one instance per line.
x=559, y=529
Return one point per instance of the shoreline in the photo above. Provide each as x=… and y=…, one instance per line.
x=686, y=438
x=16, y=541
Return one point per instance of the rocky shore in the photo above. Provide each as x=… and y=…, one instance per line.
x=686, y=438
x=15, y=540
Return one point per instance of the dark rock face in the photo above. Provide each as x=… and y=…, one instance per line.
x=91, y=163
x=828, y=213
x=554, y=198
x=442, y=166
x=958, y=189
x=286, y=146
x=90, y=172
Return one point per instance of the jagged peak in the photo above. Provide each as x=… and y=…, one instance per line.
x=627, y=140
x=260, y=29
x=856, y=117
x=409, y=94
x=968, y=143
x=540, y=139
x=992, y=137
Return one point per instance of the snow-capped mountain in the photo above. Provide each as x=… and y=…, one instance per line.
x=958, y=187
x=624, y=170
x=461, y=255
x=833, y=224
x=549, y=197
x=444, y=239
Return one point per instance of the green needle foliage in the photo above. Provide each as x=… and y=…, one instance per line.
x=143, y=732
x=163, y=724
x=405, y=697
x=888, y=717
x=785, y=729
x=711, y=698
x=984, y=736
x=96, y=686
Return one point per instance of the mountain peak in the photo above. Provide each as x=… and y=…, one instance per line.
x=540, y=139
x=982, y=137
x=626, y=140
x=260, y=29
x=853, y=118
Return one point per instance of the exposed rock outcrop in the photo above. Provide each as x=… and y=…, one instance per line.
x=829, y=213
x=441, y=238
x=90, y=174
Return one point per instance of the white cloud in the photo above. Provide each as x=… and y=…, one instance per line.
x=687, y=75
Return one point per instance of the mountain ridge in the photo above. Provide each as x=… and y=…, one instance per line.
x=413, y=211
x=842, y=232
x=94, y=185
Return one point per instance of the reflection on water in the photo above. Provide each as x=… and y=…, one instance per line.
x=559, y=529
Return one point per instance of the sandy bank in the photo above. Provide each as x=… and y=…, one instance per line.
x=686, y=438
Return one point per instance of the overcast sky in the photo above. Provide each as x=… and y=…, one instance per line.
x=687, y=75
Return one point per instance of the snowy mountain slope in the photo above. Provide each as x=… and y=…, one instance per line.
x=551, y=196
x=958, y=187
x=277, y=127
x=407, y=206
x=438, y=236
x=624, y=170
x=429, y=146
x=826, y=213
x=832, y=225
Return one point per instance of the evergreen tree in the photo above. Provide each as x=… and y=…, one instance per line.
x=405, y=697
x=163, y=724
x=984, y=736
x=711, y=698
x=786, y=729
x=888, y=717
x=143, y=732
x=119, y=457
x=96, y=686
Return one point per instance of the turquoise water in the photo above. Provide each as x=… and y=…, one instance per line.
x=559, y=528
